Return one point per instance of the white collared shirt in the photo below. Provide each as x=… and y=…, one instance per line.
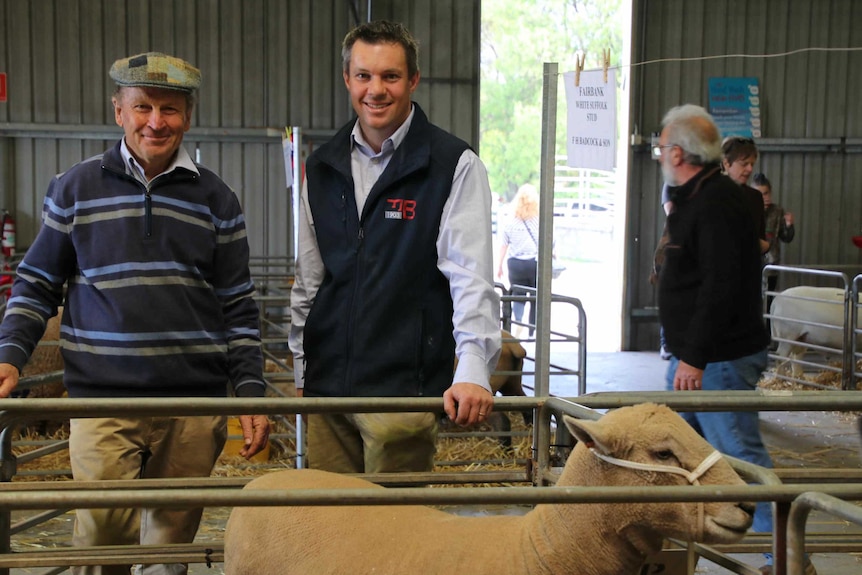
x=136, y=170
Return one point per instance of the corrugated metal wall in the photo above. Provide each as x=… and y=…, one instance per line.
x=812, y=120
x=266, y=64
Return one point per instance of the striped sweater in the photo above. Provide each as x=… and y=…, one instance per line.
x=158, y=292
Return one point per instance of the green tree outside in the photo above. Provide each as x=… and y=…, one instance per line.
x=518, y=37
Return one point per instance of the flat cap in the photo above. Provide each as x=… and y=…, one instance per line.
x=156, y=70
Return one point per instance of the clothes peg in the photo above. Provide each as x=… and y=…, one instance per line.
x=606, y=62
x=579, y=67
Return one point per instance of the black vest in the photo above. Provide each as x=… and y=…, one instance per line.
x=381, y=322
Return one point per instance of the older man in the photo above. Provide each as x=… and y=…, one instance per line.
x=709, y=289
x=152, y=250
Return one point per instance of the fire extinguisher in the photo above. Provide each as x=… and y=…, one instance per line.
x=7, y=242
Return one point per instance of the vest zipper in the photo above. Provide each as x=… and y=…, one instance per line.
x=352, y=317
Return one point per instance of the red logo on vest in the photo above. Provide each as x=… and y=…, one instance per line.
x=400, y=209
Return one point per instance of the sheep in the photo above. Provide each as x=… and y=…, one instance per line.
x=794, y=318
x=586, y=539
x=511, y=359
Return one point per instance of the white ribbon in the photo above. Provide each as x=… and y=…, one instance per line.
x=691, y=476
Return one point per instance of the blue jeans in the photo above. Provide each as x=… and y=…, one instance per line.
x=735, y=433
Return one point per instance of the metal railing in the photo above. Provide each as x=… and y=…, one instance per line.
x=560, y=338
x=214, y=492
x=799, y=511
x=849, y=329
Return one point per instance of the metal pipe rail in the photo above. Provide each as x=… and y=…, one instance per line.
x=131, y=496
x=115, y=555
x=821, y=542
x=175, y=497
x=19, y=410
x=799, y=510
x=851, y=310
x=543, y=346
x=758, y=400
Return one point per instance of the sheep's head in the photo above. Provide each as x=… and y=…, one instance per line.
x=655, y=437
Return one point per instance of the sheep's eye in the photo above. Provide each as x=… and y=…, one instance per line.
x=664, y=454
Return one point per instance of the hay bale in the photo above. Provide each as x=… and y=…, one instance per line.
x=46, y=358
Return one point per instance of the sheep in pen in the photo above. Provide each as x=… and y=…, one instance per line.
x=594, y=539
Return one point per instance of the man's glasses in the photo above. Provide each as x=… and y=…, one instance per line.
x=657, y=148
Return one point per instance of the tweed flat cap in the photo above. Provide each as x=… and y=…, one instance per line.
x=156, y=70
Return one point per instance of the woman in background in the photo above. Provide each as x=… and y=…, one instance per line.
x=738, y=158
x=520, y=241
x=779, y=228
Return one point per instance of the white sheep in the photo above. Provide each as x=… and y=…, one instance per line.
x=808, y=315
x=583, y=539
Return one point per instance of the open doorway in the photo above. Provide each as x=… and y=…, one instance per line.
x=518, y=37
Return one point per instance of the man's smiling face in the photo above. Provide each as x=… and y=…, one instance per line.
x=380, y=88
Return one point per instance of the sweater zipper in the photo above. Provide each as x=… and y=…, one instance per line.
x=148, y=213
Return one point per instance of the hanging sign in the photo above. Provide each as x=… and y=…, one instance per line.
x=591, y=135
x=2, y=86
x=735, y=106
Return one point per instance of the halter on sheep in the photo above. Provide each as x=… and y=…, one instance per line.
x=692, y=476
x=583, y=539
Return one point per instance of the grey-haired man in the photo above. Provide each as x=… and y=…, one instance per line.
x=152, y=251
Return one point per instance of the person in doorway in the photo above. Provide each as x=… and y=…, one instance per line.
x=709, y=289
x=520, y=243
x=779, y=229
x=658, y=259
x=738, y=158
x=394, y=269
x=137, y=230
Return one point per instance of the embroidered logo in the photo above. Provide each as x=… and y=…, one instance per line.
x=400, y=209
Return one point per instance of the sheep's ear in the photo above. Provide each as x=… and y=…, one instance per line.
x=519, y=351
x=590, y=433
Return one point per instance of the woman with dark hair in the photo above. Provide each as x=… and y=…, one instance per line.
x=738, y=156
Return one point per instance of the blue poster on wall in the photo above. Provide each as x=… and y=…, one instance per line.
x=735, y=105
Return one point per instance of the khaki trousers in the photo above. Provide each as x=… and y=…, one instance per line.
x=372, y=442
x=149, y=447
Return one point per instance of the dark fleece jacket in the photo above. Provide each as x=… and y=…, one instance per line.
x=709, y=289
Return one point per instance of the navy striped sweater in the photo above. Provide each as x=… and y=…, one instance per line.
x=158, y=292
